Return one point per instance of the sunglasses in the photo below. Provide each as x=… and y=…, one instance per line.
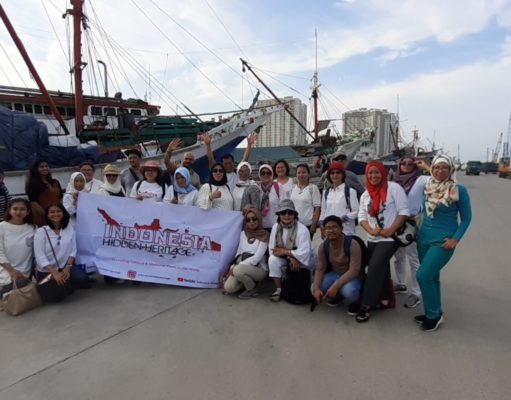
x=217, y=170
x=150, y=169
x=265, y=173
x=287, y=212
x=408, y=164
x=111, y=175
x=251, y=220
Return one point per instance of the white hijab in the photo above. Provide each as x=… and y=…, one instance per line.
x=70, y=189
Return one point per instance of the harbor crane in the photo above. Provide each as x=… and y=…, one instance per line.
x=504, y=167
x=496, y=152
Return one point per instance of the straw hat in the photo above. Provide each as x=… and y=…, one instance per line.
x=111, y=169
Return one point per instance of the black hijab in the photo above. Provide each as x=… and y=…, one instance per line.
x=212, y=180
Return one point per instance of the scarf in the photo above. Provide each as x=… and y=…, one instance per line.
x=70, y=189
x=378, y=193
x=406, y=181
x=188, y=186
x=113, y=188
x=212, y=180
x=291, y=237
x=441, y=192
x=266, y=188
x=249, y=181
x=259, y=233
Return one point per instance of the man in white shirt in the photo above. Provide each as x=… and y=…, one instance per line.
x=92, y=185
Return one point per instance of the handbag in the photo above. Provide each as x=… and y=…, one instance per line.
x=21, y=300
x=406, y=234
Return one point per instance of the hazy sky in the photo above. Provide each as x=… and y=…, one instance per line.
x=448, y=61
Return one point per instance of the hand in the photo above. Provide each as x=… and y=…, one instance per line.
x=422, y=164
x=322, y=233
x=280, y=252
x=16, y=275
x=251, y=139
x=313, y=229
x=58, y=278
x=174, y=145
x=66, y=273
x=294, y=264
x=375, y=231
x=139, y=197
x=205, y=138
x=387, y=232
x=216, y=194
x=332, y=291
x=173, y=201
x=318, y=295
x=75, y=196
x=450, y=244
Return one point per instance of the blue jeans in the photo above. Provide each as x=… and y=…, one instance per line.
x=350, y=290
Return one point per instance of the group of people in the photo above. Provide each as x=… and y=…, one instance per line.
x=281, y=217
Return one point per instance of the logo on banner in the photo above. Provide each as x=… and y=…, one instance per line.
x=153, y=238
x=132, y=274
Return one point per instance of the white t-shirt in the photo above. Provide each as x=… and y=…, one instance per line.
x=335, y=204
x=16, y=248
x=305, y=200
x=397, y=204
x=64, y=245
x=93, y=186
x=149, y=191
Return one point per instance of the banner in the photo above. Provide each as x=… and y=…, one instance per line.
x=156, y=242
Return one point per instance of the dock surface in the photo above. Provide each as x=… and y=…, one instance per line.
x=160, y=342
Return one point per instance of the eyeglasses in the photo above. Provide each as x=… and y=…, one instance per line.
x=217, y=170
x=251, y=220
x=287, y=212
x=265, y=173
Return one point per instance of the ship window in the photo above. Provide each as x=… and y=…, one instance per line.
x=136, y=111
x=18, y=106
x=6, y=105
x=96, y=111
x=29, y=108
x=38, y=109
x=109, y=111
x=70, y=112
x=62, y=111
x=47, y=110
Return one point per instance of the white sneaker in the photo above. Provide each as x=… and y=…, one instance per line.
x=275, y=296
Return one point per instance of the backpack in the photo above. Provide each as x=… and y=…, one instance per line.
x=347, y=198
x=296, y=286
x=163, y=187
x=347, y=251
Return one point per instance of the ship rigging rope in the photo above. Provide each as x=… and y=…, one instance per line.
x=55, y=32
x=13, y=66
x=183, y=55
x=92, y=63
x=6, y=76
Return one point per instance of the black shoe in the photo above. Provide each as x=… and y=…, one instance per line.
x=334, y=302
x=419, y=319
x=400, y=289
x=431, y=325
x=353, y=309
x=363, y=315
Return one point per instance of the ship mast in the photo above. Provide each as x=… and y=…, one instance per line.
x=32, y=69
x=314, y=87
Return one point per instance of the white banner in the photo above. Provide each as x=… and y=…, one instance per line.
x=155, y=242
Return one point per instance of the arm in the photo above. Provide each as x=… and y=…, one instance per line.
x=303, y=246
x=259, y=254
x=465, y=210
x=207, y=141
x=319, y=274
x=354, y=205
x=4, y=262
x=204, y=200
x=173, y=145
x=69, y=203
x=316, y=204
x=250, y=143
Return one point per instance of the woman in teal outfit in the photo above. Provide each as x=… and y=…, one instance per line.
x=444, y=201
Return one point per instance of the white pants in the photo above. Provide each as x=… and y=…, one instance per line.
x=402, y=255
x=244, y=275
x=278, y=265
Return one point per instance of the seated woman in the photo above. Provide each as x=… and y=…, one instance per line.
x=42, y=190
x=16, y=245
x=76, y=185
x=55, y=251
x=290, y=244
x=216, y=193
x=112, y=185
x=338, y=276
x=383, y=210
x=150, y=188
x=250, y=266
x=182, y=191
x=246, y=190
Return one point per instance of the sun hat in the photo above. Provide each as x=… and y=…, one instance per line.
x=111, y=169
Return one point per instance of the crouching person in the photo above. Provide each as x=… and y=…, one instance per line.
x=291, y=253
x=251, y=262
x=337, y=275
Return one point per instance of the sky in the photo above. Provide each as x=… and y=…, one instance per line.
x=448, y=62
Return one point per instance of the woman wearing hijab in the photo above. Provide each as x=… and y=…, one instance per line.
x=383, y=210
x=216, y=193
x=445, y=202
x=269, y=196
x=409, y=177
x=251, y=264
x=182, y=191
x=112, y=185
x=74, y=187
x=245, y=192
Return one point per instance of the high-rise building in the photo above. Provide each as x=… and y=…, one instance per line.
x=374, y=123
x=281, y=129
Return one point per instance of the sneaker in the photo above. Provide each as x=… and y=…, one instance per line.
x=248, y=294
x=275, y=296
x=412, y=301
x=334, y=302
x=419, y=319
x=400, y=289
x=353, y=309
x=362, y=316
x=431, y=325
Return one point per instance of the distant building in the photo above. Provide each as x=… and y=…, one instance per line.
x=375, y=124
x=281, y=129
